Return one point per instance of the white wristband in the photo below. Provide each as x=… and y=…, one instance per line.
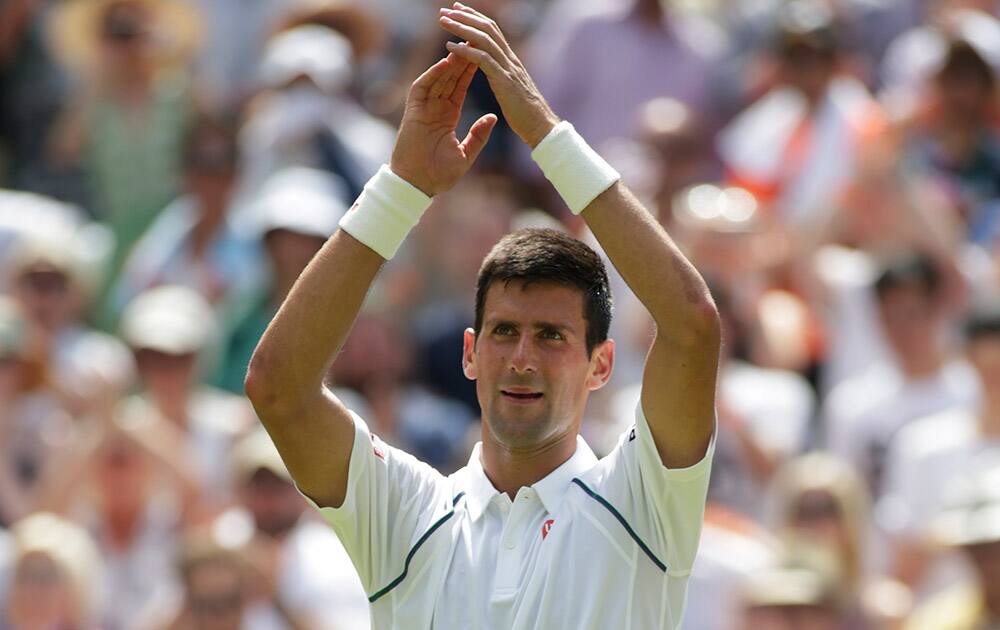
x=576, y=171
x=385, y=212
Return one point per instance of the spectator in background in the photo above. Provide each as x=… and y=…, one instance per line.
x=821, y=501
x=296, y=210
x=306, y=115
x=83, y=368
x=305, y=562
x=217, y=586
x=51, y=582
x=170, y=329
x=134, y=102
x=931, y=452
x=197, y=241
x=795, y=147
x=969, y=522
x=659, y=51
x=864, y=413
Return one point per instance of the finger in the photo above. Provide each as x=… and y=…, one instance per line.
x=481, y=58
x=422, y=85
x=477, y=20
x=459, y=66
x=462, y=85
x=444, y=84
x=478, y=136
x=474, y=36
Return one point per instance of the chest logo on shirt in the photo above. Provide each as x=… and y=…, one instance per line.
x=546, y=526
x=375, y=449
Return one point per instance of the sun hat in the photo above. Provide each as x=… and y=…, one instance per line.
x=170, y=319
x=175, y=27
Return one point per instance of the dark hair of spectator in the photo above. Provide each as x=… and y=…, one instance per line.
x=983, y=319
x=545, y=255
x=963, y=61
x=210, y=145
x=906, y=271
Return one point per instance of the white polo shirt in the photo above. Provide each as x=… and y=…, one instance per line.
x=595, y=544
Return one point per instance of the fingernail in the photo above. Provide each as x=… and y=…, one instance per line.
x=450, y=45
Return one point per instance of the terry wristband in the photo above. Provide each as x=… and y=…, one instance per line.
x=576, y=171
x=385, y=212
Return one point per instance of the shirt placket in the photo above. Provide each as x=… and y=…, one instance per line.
x=512, y=545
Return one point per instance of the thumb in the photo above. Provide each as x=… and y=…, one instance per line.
x=478, y=135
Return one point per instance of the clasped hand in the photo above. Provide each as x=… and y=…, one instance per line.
x=428, y=153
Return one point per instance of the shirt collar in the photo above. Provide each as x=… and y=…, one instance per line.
x=551, y=489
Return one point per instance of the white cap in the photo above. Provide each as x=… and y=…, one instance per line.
x=254, y=452
x=302, y=200
x=312, y=50
x=170, y=319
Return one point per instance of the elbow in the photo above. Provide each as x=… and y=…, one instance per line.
x=258, y=385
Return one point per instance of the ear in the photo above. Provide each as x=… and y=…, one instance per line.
x=601, y=363
x=469, y=354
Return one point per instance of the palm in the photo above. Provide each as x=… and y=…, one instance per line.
x=428, y=153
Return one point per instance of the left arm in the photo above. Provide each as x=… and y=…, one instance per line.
x=678, y=393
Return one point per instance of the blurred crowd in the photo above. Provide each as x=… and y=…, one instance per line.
x=168, y=168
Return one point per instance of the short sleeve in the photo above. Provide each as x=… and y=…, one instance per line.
x=392, y=500
x=665, y=506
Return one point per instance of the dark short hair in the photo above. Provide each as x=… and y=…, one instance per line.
x=545, y=255
x=908, y=270
x=983, y=319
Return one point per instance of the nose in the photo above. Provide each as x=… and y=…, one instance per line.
x=523, y=360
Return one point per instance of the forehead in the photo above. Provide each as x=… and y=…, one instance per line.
x=534, y=301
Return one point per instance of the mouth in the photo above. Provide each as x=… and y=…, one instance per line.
x=521, y=396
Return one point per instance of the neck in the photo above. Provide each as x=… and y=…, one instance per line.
x=509, y=470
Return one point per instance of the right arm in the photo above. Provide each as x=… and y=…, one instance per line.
x=313, y=430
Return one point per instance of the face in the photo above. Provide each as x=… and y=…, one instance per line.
x=274, y=503
x=817, y=515
x=909, y=318
x=808, y=70
x=530, y=363
x=290, y=252
x=215, y=597
x=46, y=295
x=39, y=595
x=790, y=618
x=166, y=375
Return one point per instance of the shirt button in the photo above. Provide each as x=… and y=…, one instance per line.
x=509, y=544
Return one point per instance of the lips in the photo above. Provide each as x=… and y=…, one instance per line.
x=518, y=394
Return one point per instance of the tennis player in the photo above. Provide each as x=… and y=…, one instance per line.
x=535, y=532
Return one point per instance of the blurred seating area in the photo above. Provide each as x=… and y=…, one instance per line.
x=169, y=167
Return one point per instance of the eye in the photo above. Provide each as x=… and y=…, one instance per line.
x=504, y=329
x=550, y=333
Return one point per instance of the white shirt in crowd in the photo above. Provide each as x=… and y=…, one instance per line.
x=595, y=544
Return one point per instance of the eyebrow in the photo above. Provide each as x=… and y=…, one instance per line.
x=560, y=327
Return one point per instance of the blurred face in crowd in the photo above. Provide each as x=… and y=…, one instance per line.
x=210, y=175
x=965, y=87
x=40, y=595
x=986, y=561
x=530, y=363
x=273, y=502
x=910, y=317
x=123, y=476
x=215, y=595
x=167, y=376
x=125, y=39
x=984, y=355
x=790, y=618
x=807, y=69
x=290, y=252
x=46, y=294
x=818, y=515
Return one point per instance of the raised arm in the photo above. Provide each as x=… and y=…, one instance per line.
x=678, y=390
x=313, y=430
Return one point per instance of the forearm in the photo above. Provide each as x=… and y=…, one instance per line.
x=312, y=324
x=664, y=280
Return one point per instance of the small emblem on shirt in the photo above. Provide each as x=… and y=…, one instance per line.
x=375, y=449
x=546, y=526
x=631, y=434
